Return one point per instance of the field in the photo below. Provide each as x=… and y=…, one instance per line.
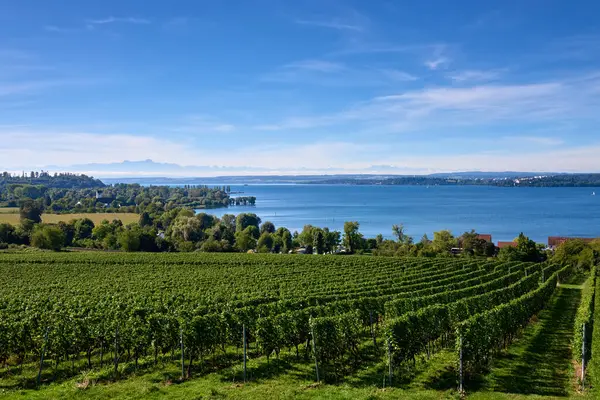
x=11, y=216
x=177, y=325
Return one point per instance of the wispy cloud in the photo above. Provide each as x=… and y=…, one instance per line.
x=35, y=87
x=398, y=75
x=201, y=124
x=111, y=20
x=329, y=73
x=575, y=159
x=58, y=29
x=316, y=65
x=487, y=106
x=475, y=75
x=436, y=63
x=333, y=24
x=538, y=140
x=7, y=89
x=352, y=21
x=13, y=54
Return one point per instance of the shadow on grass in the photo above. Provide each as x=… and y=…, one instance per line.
x=539, y=362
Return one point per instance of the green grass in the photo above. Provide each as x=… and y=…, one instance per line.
x=540, y=362
x=126, y=218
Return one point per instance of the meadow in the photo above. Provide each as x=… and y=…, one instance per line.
x=11, y=216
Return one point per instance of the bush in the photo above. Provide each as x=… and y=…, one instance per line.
x=47, y=237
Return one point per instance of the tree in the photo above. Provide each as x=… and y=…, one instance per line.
x=207, y=221
x=398, y=231
x=371, y=244
x=286, y=238
x=577, y=253
x=83, y=228
x=318, y=241
x=352, y=237
x=332, y=240
x=265, y=243
x=306, y=237
x=68, y=229
x=473, y=245
x=30, y=210
x=244, y=240
x=47, y=237
x=129, y=239
x=229, y=221
x=188, y=229
x=145, y=219
x=528, y=249
x=7, y=233
x=268, y=227
x=379, y=239
x=245, y=220
x=509, y=254
x=443, y=242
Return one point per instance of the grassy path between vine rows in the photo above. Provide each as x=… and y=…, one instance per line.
x=539, y=363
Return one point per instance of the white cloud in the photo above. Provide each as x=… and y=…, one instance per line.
x=38, y=148
x=579, y=159
x=351, y=20
x=28, y=148
x=398, y=75
x=334, y=23
x=7, y=89
x=329, y=73
x=315, y=65
x=537, y=140
x=474, y=76
x=127, y=20
x=436, y=63
x=59, y=29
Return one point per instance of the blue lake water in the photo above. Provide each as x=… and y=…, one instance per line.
x=501, y=212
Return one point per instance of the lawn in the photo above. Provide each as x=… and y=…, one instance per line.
x=11, y=215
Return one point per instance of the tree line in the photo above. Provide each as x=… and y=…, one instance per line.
x=182, y=229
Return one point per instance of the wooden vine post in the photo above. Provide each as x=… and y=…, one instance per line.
x=390, y=366
x=182, y=353
x=314, y=348
x=116, y=358
x=583, y=360
x=460, y=366
x=245, y=346
x=372, y=332
x=39, y=377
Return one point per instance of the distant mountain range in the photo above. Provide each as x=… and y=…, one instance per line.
x=148, y=171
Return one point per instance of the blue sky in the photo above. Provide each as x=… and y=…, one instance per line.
x=319, y=86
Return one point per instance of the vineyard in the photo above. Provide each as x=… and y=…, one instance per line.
x=120, y=313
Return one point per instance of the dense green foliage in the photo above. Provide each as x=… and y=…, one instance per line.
x=140, y=305
x=26, y=185
x=578, y=253
x=585, y=316
x=484, y=334
x=594, y=364
x=69, y=193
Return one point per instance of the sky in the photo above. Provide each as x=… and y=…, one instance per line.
x=302, y=86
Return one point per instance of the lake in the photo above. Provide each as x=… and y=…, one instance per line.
x=501, y=212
